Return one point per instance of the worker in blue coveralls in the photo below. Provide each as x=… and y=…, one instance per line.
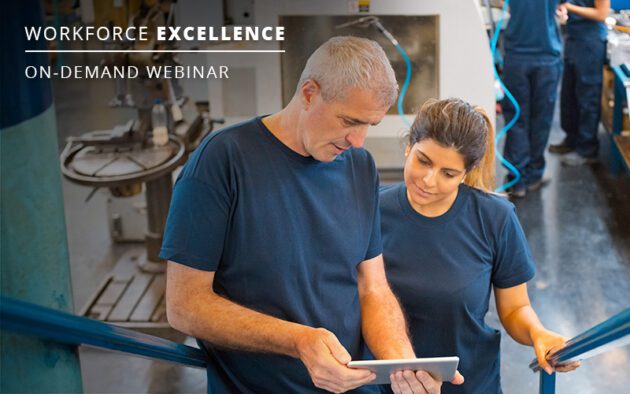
x=273, y=239
x=531, y=72
x=584, y=58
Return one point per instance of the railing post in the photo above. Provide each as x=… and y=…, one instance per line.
x=547, y=383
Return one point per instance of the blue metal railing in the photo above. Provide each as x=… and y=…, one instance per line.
x=612, y=333
x=30, y=319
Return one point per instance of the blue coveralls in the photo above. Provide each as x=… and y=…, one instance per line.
x=531, y=72
x=584, y=57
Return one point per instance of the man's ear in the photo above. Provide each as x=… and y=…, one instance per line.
x=308, y=91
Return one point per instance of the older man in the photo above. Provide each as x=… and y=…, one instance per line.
x=273, y=238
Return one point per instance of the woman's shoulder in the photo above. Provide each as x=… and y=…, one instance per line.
x=388, y=194
x=490, y=204
x=389, y=188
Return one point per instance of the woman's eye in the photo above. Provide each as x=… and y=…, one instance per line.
x=449, y=175
x=423, y=162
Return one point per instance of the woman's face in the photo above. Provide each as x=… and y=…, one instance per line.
x=432, y=176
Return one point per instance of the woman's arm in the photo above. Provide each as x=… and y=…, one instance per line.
x=521, y=322
x=597, y=13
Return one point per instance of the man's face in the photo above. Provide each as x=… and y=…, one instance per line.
x=326, y=129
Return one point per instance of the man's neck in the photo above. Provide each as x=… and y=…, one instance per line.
x=283, y=125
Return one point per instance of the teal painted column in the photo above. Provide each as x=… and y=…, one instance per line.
x=34, y=255
x=33, y=249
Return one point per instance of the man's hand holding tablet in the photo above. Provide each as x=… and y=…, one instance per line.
x=419, y=375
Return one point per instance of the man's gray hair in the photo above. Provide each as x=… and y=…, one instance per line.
x=345, y=62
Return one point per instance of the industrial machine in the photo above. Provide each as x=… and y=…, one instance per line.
x=129, y=160
x=446, y=42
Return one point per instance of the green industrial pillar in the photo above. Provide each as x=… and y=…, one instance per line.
x=33, y=248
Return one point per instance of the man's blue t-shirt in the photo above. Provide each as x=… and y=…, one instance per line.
x=532, y=32
x=284, y=234
x=580, y=28
x=443, y=270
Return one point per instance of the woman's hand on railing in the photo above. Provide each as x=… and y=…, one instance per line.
x=545, y=344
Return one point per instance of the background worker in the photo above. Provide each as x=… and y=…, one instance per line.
x=531, y=71
x=584, y=58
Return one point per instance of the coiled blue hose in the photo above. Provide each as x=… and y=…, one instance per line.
x=401, y=97
x=405, y=85
x=517, y=108
x=504, y=130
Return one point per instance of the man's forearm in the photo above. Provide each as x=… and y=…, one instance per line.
x=227, y=324
x=384, y=325
x=193, y=308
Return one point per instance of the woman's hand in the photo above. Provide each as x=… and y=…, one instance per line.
x=546, y=342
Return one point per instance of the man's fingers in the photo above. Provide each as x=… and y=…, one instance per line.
x=342, y=377
x=430, y=385
x=413, y=382
x=401, y=382
x=347, y=379
x=356, y=380
x=341, y=386
x=326, y=360
x=394, y=384
x=351, y=374
x=337, y=386
x=336, y=349
x=458, y=378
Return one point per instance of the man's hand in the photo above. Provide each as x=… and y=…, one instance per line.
x=408, y=382
x=326, y=359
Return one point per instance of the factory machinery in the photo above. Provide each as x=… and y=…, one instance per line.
x=136, y=165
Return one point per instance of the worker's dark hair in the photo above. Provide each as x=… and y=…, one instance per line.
x=454, y=123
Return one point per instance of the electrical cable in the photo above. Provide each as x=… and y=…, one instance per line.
x=517, y=108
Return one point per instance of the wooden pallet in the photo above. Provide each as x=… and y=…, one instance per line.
x=131, y=298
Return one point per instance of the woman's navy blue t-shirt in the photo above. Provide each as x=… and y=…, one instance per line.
x=284, y=234
x=443, y=270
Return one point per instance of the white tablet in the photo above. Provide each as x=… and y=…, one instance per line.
x=441, y=368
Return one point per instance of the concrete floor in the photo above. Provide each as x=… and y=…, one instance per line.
x=578, y=228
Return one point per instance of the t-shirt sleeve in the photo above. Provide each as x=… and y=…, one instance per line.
x=513, y=263
x=376, y=244
x=198, y=217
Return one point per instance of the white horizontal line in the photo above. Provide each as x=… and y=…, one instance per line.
x=156, y=50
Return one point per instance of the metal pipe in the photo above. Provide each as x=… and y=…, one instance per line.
x=158, y=196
